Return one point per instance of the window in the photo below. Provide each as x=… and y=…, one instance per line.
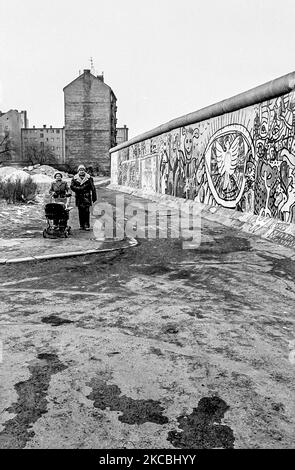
x=47, y=139
x=57, y=131
x=52, y=147
x=41, y=135
x=52, y=140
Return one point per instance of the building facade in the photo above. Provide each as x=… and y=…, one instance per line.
x=11, y=125
x=90, y=122
x=89, y=133
x=122, y=135
x=50, y=140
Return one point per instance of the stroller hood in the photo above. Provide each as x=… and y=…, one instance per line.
x=55, y=209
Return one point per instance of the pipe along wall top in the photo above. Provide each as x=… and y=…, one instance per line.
x=267, y=91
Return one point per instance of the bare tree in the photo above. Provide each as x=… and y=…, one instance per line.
x=6, y=145
x=35, y=153
x=9, y=147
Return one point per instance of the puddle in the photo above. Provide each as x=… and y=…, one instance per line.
x=54, y=320
x=282, y=267
x=182, y=274
x=202, y=429
x=196, y=314
x=156, y=351
x=170, y=329
x=226, y=244
x=154, y=270
x=133, y=411
x=31, y=403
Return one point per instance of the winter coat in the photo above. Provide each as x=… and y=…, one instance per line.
x=84, y=190
x=59, y=189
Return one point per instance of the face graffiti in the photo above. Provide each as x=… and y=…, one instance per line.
x=243, y=160
x=189, y=136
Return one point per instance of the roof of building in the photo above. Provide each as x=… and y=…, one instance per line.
x=3, y=113
x=34, y=128
x=91, y=74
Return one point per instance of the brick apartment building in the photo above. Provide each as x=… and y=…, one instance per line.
x=11, y=124
x=51, y=137
x=90, y=121
x=89, y=133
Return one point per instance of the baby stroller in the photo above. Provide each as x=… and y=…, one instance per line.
x=57, y=215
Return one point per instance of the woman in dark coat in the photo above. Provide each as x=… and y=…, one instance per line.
x=83, y=186
x=59, y=188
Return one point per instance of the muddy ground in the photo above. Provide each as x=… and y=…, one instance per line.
x=151, y=347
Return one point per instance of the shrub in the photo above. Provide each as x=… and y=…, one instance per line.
x=71, y=168
x=18, y=190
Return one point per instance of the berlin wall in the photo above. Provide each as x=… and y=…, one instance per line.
x=238, y=154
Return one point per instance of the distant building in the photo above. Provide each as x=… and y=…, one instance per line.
x=89, y=133
x=122, y=134
x=90, y=121
x=11, y=125
x=52, y=138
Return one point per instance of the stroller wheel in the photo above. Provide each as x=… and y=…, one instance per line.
x=45, y=233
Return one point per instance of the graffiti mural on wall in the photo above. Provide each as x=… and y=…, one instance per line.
x=243, y=160
x=226, y=155
x=273, y=135
x=129, y=174
x=180, y=162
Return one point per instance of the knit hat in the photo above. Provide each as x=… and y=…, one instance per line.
x=57, y=173
x=81, y=167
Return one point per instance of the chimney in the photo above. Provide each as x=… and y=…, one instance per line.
x=50, y=127
x=44, y=126
x=24, y=114
x=86, y=71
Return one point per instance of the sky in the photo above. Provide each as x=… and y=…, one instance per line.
x=162, y=58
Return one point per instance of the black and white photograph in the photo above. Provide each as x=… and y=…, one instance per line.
x=147, y=229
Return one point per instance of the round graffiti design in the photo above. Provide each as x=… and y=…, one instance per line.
x=225, y=157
